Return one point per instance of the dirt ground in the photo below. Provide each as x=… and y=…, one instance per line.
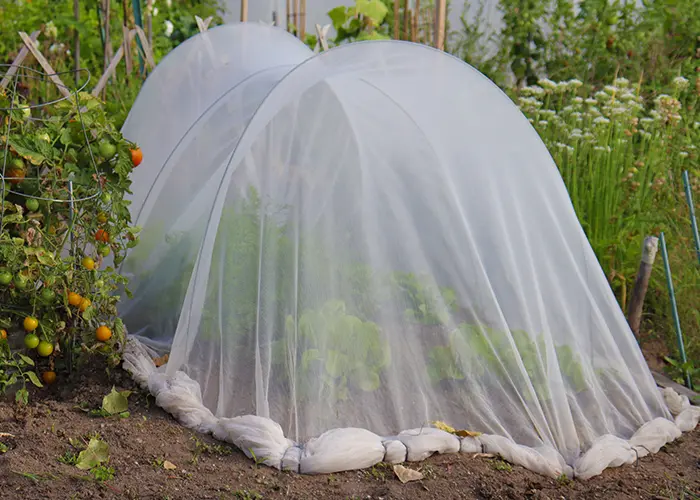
x=140, y=444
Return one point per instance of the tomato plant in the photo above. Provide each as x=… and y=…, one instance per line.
x=63, y=213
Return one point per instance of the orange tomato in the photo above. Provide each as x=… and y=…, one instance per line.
x=103, y=333
x=3, y=334
x=74, y=299
x=136, y=156
x=48, y=377
x=30, y=324
x=84, y=304
x=102, y=235
x=17, y=174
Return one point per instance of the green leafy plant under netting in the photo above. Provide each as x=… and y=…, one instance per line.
x=66, y=171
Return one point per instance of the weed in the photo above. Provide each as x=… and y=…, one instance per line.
x=68, y=458
x=501, y=465
x=102, y=473
x=247, y=495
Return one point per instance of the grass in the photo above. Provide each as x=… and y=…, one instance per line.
x=621, y=155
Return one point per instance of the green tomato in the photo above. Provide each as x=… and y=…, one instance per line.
x=99, y=284
x=5, y=278
x=612, y=20
x=17, y=164
x=48, y=295
x=31, y=341
x=44, y=348
x=32, y=204
x=107, y=150
x=44, y=137
x=104, y=250
x=20, y=282
x=106, y=198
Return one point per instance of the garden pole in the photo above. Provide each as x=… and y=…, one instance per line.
x=440, y=28
x=674, y=308
x=76, y=41
x=641, y=283
x=397, y=13
x=244, y=11
x=302, y=19
x=691, y=207
x=138, y=20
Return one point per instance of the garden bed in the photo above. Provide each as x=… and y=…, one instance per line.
x=141, y=443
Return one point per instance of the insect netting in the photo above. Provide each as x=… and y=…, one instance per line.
x=373, y=237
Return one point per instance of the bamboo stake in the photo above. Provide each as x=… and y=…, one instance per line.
x=441, y=10
x=24, y=51
x=418, y=20
x=413, y=26
x=296, y=17
x=244, y=11
x=397, y=23
x=406, y=13
x=289, y=14
x=302, y=19
x=109, y=51
x=322, y=35
x=108, y=72
x=636, y=305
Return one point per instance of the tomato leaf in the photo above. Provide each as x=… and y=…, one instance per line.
x=27, y=359
x=23, y=147
x=35, y=380
x=116, y=402
x=96, y=452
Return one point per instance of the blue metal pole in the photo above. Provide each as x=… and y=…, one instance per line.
x=674, y=308
x=691, y=207
x=138, y=19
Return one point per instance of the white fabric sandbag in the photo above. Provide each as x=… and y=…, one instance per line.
x=137, y=361
x=181, y=396
x=606, y=451
x=521, y=455
x=258, y=437
x=470, y=444
x=650, y=437
x=424, y=442
x=396, y=451
x=292, y=459
x=675, y=402
x=340, y=450
x=688, y=419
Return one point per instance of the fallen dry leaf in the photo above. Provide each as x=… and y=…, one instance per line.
x=484, y=455
x=168, y=465
x=464, y=433
x=161, y=361
x=405, y=474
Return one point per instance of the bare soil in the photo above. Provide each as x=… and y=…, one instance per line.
x=139, y=445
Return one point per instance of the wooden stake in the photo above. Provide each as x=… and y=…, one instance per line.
x=636, y=304
x=406, y=23
x=18, y=61
x=108, y=72
x=30, y=44
x=244, y=11
x=413, y=26
x=321, y=33
x=397, y=19
x=302, y=20
x=417, y=22
x=296, y=17
x=441, y=11
x=109, y=51
x=289, y=14
x=149, y=21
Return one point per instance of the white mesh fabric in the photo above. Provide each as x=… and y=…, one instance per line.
x=376, y=237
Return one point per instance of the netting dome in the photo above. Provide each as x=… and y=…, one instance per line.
x=373, y=237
